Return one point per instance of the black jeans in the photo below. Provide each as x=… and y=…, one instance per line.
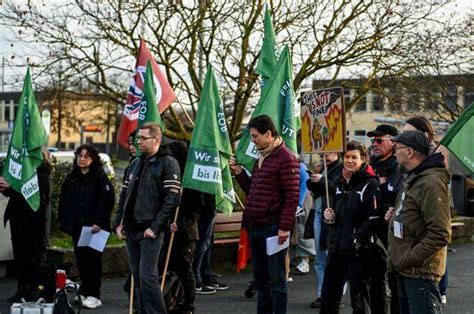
x=376, y=266
x=269, y=272
x=29, y=253
x=418, y=296
x=143, y=255
x=182, y=264
x=393, y=285
x=202, y=254
x=89, y=265
x=339, y=269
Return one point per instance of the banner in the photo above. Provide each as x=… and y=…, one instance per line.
x=323, y=123
x=25, y=150
x=459, y=138
x=207, y=167
x=277, y=101
x=164, y=94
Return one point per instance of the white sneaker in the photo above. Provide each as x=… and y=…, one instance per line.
x=444, y=300
x=303, y=267
x=91, y=303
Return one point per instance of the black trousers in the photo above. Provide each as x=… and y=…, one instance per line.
x=182, y=264
x=340, y=268
x=89, y=265
x=29, y=252
x=377, y=270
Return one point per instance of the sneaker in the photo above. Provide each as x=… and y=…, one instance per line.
x=316, y=304
x=290, y=279
x=302, y=268
x=91, y=303
x=204, y=290
x=444, y=300
x=216, y=285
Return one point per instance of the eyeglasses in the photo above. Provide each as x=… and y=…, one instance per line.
x=144, y=138
x=397, y=148
x=379, y=140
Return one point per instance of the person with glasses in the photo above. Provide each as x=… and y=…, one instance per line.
x=152, y=196
x=86, y=199
x=420, y=224
x=385, y=165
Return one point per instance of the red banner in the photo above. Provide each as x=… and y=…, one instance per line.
x=164, y=93
x=243, y=256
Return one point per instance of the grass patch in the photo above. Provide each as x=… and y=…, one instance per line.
x=61, y=240
x=227, y=235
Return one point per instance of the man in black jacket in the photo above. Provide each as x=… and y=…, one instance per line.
x=152, y=196
x=390, y=176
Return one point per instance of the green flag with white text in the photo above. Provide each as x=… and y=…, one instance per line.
x=25, y=150
x=267, y=59
x=278, y=102
x=459, y=138
x=207, y=167
x=148, y=111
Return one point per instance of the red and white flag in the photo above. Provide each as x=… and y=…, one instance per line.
x=164, y=93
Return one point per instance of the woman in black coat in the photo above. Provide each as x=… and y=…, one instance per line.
x=87, y=199
x=352, y=221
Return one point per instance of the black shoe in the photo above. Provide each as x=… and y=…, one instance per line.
x=214, y=284
x=204, y=290
x=316, y=304
x=250, y=292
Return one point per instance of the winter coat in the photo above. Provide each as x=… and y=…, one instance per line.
x=158, y=191
x=20, y=213
x=422, y=207
x=357, y=213
x=85, y=200
x=273, y=190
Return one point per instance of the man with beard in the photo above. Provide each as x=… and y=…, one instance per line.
x=386, y=167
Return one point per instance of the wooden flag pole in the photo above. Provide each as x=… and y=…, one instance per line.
x=132, y=289
x=326, y=180
x=168, y=254
x=185, y=112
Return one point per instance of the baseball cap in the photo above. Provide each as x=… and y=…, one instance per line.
x=414, y=139
x=383, y=129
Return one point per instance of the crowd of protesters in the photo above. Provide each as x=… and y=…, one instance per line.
x=376, y=219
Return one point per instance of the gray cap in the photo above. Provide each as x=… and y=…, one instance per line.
x=414, y=139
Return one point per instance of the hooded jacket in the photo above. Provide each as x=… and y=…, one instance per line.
x=422, y=209
x=357, y=212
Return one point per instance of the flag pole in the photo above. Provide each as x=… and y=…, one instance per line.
x=168, y=254
x=326, y=180
x=185, y=112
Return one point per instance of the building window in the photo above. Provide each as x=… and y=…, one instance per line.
x=7, y=112
x=413, y=102
x=468, y=98
x=360, y=132
x=361, y=105
x=377, y=102
x=89, y=139
x=450, y=98
x=347, y=97
x=71, y=145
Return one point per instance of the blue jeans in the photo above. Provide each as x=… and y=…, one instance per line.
x=268, y=271
x=202, y=254
x=321, y=255
x=143, y=255
x=418, y=296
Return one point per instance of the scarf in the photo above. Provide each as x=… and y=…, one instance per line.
x=262, y=154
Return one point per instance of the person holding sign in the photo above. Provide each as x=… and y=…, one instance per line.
x=351, y=223
x=272, y=198
x=86, y=199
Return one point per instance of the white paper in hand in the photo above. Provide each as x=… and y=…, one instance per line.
x=273, y=246
x=97, y=241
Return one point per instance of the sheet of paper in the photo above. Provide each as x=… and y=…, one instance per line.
x=97, y=241
x=273, y=246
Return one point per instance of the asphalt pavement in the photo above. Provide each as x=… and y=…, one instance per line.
x=301, y=290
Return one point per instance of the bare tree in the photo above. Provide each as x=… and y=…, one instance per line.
x=374, y=40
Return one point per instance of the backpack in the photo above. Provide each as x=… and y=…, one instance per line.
x=61, y=300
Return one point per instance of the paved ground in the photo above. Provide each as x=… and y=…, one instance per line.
x=460, y=292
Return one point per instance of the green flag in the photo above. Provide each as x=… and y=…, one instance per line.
x=267, y=60
x=148, y=111
x=459, y=138
x=207, y=167
x=24, y=152
x=276, y=101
